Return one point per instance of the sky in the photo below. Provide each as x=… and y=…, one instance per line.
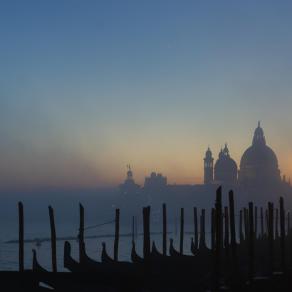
x=87, y=87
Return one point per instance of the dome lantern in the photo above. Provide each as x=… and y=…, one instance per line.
x=259, y=137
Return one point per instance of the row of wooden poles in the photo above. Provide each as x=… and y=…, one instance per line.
x=220, y=239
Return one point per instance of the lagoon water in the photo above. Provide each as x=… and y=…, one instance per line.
x=9, y=252
x=99, y=208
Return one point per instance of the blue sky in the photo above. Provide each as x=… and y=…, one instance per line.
x=87, y=87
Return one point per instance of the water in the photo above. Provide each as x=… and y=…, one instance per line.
x=9, y=252
x=98, y=209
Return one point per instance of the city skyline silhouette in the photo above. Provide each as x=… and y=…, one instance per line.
x=87, y=89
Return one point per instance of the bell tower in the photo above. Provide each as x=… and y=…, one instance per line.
x=208, y=167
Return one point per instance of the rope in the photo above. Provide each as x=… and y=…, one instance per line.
x=98, y=225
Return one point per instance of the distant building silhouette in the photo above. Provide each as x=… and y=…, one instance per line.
x=259, y=163
x=129, y=186
x=155, y=182
x=259, y=173
x=225, y=171
x=208, y=167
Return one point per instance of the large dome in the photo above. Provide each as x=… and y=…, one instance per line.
x=262, y=156
x=259, y=163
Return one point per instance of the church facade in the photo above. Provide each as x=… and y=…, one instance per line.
x=258, y=165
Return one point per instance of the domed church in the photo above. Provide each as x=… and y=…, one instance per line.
x=259, y=163
x=225, y=169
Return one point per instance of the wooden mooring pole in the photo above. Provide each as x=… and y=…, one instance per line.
x=81, y=233
x=202, y=230
x=277, y=224
x=241, y=238
x=251, y=241
x=255, y=222
x=282, y=235
x=53, y=239
x=288, y=224
x=133, y=228
x=218, y=236
x=164, y=235
x=271, y=235
x=232, y=232
x=196, y=236
x=262, y=222
x=181, y=241
x=21, y=237
x=226, y=230
x=213, y=229
x=117, y=235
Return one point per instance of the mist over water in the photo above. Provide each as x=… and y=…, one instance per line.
x=100, y=205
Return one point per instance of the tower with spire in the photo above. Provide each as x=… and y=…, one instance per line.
x=129, y=187
x=208, y=167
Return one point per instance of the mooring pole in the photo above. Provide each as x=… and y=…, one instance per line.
x=232, y=232
x=271, y=235
x=277, y=224
x=196, y=236
x=117, y=234
x=213, y=227
x=218, y=241
x=255, y=222
x=202, y=230
x=181, y=243
x=251, y=241
x=282, y=234
x=240, y=228
x=288, y=224
x=53, y=239
x=81, y=233
x=262, y=223
x=267, y=222
x=226, y=230
x=133, y=228
x=21, y=237
x=164, y=238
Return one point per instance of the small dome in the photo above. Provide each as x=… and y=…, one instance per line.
x=225, y=164
x=225, y=168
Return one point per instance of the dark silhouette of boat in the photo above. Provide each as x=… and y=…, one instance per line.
x=194, y=249
x=135, y=258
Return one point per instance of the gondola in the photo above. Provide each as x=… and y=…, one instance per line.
x=120, y=270
x=121, y=275
x=135, y=258
x=172, y=251
x=155, y=253
x=105, y=258
x=36, y=267
x=54, y=281
x=86, y=264
x=194, y=248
